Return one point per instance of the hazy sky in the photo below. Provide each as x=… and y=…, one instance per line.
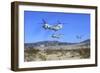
x=75, y=25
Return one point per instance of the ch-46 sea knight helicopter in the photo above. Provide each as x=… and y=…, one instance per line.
x=56, y=36
x=54, y=27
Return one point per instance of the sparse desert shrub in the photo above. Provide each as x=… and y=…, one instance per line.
x=43, y=57
x=32, y=51
x=85, y=53
x=49, y=52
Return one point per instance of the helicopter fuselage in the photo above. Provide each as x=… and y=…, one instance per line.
x=53, y=27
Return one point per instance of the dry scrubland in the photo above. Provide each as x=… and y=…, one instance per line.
x=34, y=54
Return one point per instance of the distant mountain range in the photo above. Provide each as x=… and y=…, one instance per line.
x=86, y=41
x=55, y=43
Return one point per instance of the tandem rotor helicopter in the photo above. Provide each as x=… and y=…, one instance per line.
x=54, y=27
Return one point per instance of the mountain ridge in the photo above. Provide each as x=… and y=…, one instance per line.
x=53, y=43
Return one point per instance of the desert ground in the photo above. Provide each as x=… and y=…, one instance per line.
x=63, y=53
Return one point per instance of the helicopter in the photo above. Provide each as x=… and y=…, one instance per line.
x=57, y=36
x=55, y=27
x=79, y=37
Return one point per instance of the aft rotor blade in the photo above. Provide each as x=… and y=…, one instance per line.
x=44, y=21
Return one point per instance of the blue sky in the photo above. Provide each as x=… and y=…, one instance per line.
x=76, y=24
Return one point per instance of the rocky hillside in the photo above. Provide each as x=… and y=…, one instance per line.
x=57, y=45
